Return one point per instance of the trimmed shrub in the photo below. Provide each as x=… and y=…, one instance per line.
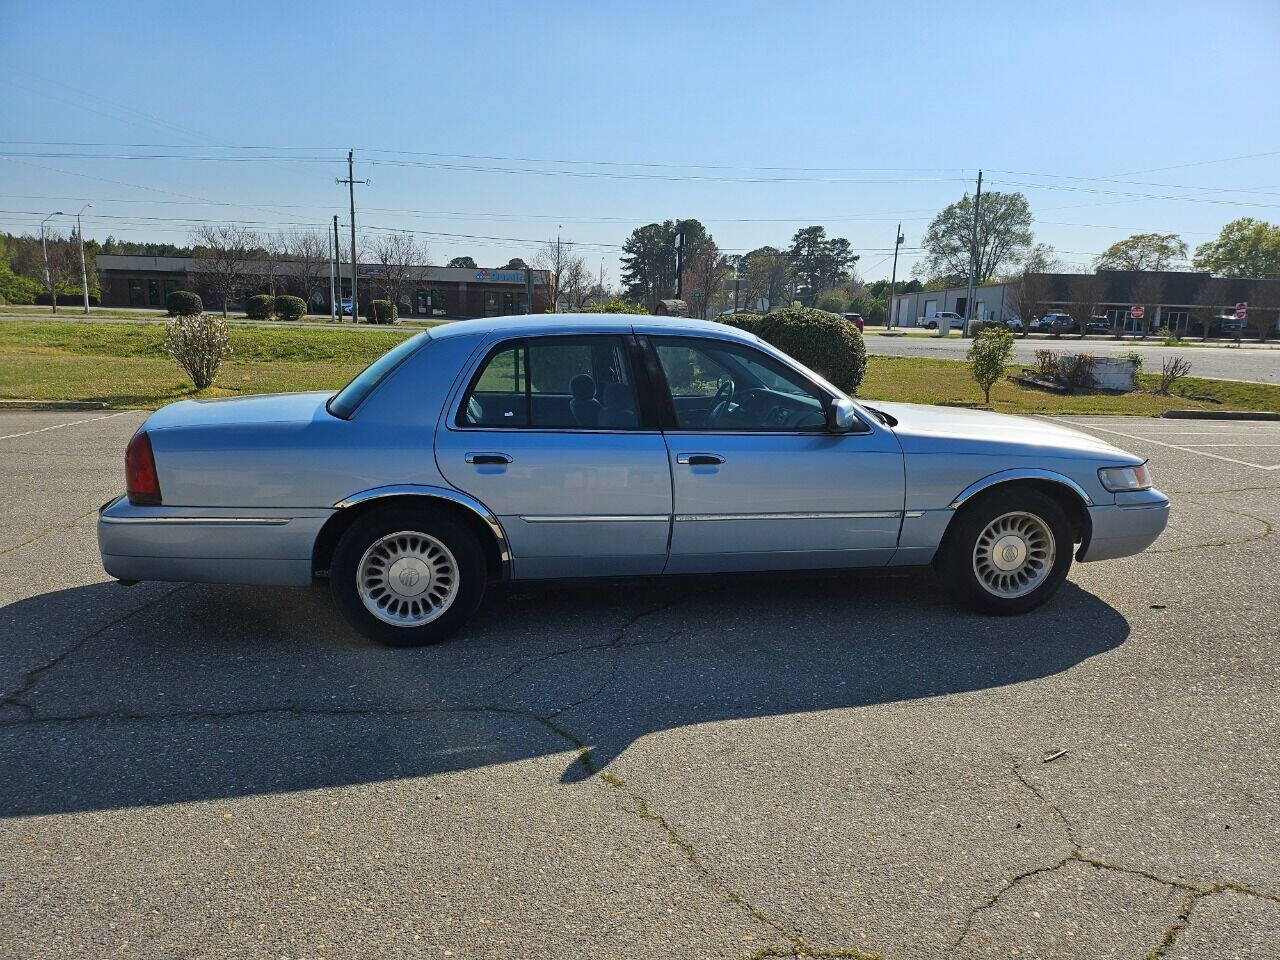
x=290, y=308
x=183, y=303
x=825, y=342
x=259, y=306
x=990, y=352
x=750, y=322
x=616, y=305
x=383, y=311
x=198, y=345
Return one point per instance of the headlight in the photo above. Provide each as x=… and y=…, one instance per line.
x=1125, y=479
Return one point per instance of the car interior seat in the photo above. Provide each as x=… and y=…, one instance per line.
x=584, y=406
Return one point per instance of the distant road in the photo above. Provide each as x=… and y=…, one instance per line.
x=1255, y=363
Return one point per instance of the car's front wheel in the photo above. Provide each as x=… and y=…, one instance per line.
x=407, y=578
x=1007, y=551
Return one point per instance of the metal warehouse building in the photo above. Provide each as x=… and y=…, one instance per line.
x=447, y=292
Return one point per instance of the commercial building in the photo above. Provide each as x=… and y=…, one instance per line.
x=443, y=292
x=1174, y=300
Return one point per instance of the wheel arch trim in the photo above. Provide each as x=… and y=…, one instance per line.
x=456, y=497
x=1020, y=473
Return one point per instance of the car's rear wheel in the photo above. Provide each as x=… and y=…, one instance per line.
x=1007, y=551
x=407, y=578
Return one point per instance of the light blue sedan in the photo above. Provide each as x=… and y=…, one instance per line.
x=565, y=446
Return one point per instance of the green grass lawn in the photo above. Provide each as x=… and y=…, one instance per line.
x=124, y=365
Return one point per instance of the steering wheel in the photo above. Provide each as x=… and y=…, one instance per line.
x=720, y=402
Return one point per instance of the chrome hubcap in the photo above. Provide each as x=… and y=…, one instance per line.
x=1013, y=554
x=407, y=578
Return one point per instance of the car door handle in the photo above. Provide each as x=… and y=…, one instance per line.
x=700, y=459
x=487, y=458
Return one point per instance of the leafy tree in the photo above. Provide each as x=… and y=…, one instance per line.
x=989, y=354
x=649, y=258
x=615, y=305
x=1143, y=251
x=819, y=262
x=1245, y=248
x=515, y=263
x=1004, y=238
x=465, y=262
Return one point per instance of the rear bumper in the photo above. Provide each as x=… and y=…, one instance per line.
x=1129, y=526
x=208, y=544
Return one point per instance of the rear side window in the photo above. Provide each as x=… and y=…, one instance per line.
x=558, y=383
x=344, y=403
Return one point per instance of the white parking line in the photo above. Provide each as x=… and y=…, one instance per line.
x=59, y=426
x=1174, y=446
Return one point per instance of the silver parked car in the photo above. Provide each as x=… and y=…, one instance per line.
x=558, y=446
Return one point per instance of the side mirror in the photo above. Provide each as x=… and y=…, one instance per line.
x=841, y=416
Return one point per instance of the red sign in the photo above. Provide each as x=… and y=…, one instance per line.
x=1242, y=311
x=1136, y=311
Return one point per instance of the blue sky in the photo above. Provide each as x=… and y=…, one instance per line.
x=889, y=108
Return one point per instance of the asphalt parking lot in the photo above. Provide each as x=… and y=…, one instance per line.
x=827, y=766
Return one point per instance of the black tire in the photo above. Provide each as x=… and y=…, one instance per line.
x=955, y=561
x=460, y=542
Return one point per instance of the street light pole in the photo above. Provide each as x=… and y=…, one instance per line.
x=84, y=274
x=972, y=288
x=44, y=248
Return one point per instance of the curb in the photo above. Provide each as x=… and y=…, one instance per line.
x=1220, y=415
x=52, y=405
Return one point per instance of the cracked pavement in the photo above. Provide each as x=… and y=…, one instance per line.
x=838, y=766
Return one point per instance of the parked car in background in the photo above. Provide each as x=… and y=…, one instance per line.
x=1056, y=324
x=855, y=319
x=1098, y=325
x=953, y=321
x=344, y=307
x=640, y=446
x=1013, y=324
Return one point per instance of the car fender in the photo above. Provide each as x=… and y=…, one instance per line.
x=432, y=492
x=1020, y=473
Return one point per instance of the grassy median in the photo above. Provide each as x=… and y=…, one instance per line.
x=124, y=365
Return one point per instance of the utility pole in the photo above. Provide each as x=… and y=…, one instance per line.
x=680, y=263
x=893, y=279
x=973, y=261
x=333, y=272
x=602, y=281
x=555, y=305
x=351, y=182
x=84, y=274
x=737, y=278
x=44, y=247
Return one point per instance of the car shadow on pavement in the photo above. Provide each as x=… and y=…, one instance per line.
x=208, y=692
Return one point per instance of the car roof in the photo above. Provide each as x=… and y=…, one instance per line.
x=545, y=323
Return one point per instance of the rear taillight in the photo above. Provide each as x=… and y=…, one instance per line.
x=140, y=479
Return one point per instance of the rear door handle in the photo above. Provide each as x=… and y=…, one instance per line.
x=700, y=459
x=487, y=458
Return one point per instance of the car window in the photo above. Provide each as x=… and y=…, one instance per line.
x=343, y=404
x=716, y=385
x=553, y=383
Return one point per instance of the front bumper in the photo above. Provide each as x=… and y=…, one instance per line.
x=208, y=544
x=1128, y=526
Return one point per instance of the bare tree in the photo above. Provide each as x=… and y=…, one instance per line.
x=1029, y=296
x=1086, y=291
x=396, y=257
x=566, y=272
x=227, y=253
x=309, y=265
x=1210, y=299
x=1148, y=291
x=1263, y=304
x=704, y=276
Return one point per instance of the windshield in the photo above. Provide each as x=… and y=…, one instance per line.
x=344, y=403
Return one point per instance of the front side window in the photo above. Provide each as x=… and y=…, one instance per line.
x=556, y=383
x=716, y=385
